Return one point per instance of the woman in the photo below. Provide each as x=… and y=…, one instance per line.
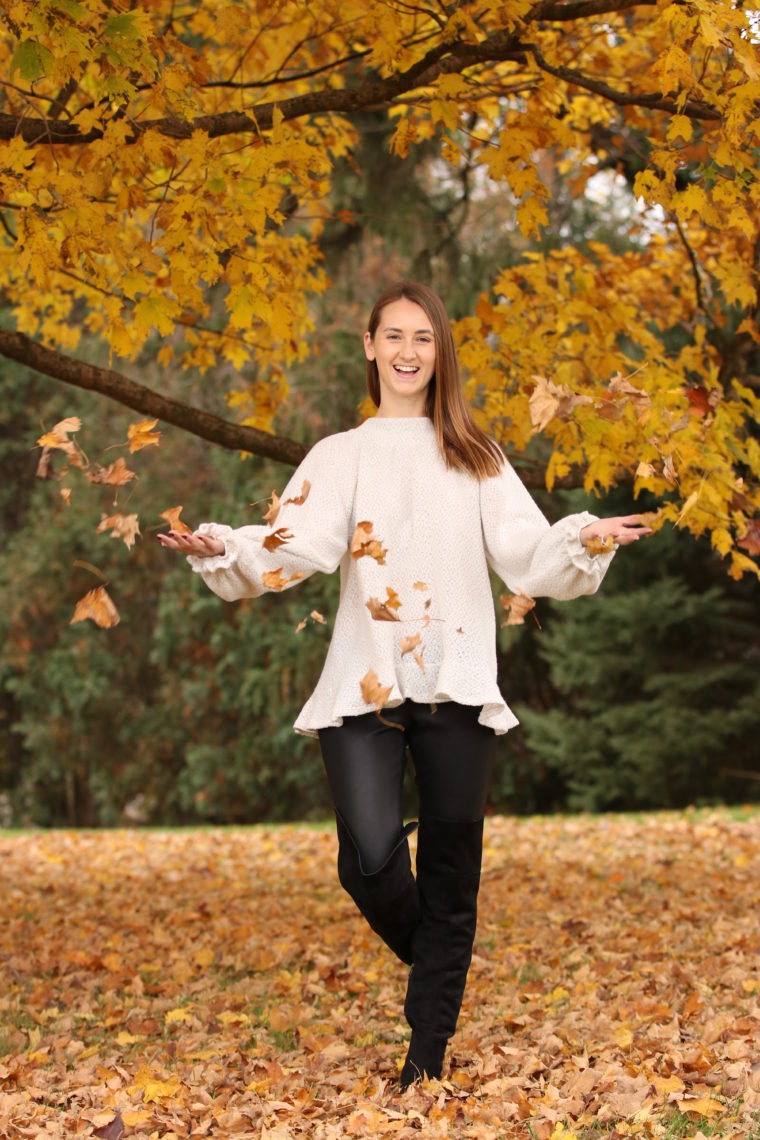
x=413, y=505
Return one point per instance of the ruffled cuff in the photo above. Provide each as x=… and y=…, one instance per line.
x=215, y=561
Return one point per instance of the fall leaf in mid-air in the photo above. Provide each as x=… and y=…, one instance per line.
x=420, y=586
x=66, y=495
x=277, y=538
x=121, y=526
x=409, y=644
x=141, y=435
x=315, y=616
x=548, y=400
x=98, y=607
x=270, y=515
x=115, y=475
x=299, y=500
x=385, y=611
x=517, y=606
x=171, y=514
x=372, y=691
x=365, y=544
x=274, y=580
x=58, y=436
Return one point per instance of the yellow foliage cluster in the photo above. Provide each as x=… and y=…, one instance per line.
x=165, y=176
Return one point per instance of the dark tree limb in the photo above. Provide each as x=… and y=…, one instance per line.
x=235, y=437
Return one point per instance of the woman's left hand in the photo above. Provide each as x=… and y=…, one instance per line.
x=623, y=530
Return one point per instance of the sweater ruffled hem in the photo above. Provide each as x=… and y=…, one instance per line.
x=494, y=714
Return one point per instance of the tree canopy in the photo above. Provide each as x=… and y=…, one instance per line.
x=168, y=185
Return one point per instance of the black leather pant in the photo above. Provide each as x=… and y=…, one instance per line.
x=428, y=922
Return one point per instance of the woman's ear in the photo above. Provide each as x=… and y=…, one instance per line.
x=369, y=346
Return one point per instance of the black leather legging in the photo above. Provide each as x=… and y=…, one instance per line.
x=365, y=759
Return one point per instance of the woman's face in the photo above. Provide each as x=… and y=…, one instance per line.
x=404, y=349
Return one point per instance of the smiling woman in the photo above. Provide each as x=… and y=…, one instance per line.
x=413, y=506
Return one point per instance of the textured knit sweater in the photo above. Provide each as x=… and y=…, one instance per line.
x=422, y=566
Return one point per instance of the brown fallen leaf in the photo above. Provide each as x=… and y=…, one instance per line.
x=270, y=515
x=409, y=644
x=98, y=607
x=300, y=499
x=750, y=539
x=141, y=435
x=171, y=514
x=115, y=475
x=58, y=436
x=385, y=611
x=365, y=544
x=517, y=606
x=277, y=538
x=125, y=527
x=373, y=693
x=274, y=580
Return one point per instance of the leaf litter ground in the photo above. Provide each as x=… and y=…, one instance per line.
x=218, y=983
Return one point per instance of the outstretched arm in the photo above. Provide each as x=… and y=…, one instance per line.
x=622, y=529
x=197, y=544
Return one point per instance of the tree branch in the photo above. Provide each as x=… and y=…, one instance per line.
x=551, y=10
x=694, y=108
x=235, y=437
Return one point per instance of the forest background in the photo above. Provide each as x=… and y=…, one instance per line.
x=579, y=180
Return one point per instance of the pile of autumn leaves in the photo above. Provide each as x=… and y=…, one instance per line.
x=219, y=983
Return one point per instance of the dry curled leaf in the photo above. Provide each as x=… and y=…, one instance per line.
x=373, y=693
x=277, y=538
x=141, y=435
x=299, y=500
x=273, y=510
x=548, y=400
x=274, y=580
x=125, y=527
x=115, y=475
x=96, y=606
x=366, y=545
x=750, y=539
x=409, y=644
x=58, y=436
x=420, y=586
x=171, y=514
x=517, y=606
x=385, y=611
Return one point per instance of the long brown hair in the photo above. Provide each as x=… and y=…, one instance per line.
x=463, y=445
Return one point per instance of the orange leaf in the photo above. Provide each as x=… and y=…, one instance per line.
x=141, y=435
x=175, y=522
x=115, y=475
x=98, y=607
x=271, y=514
x=385, y=611
x=278, y=538
x=750, y=540
x=372, y=691
x=301, y=499
x=517, y=606
x=58, y=436
x=122, y=526
x=364, y=543
x=408, y=644
x=273, y=579
x=599, y=545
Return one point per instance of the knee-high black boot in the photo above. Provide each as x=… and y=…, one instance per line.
x=448, y=877
x=388, y=897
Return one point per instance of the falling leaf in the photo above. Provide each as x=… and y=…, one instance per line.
x=125, y=527
x=171, y=514
x=418, y=657
x=373, y=692
x=116, y=474
x=270, y=516
x=277, y=538
x=420, y=586
x=548, y=400
x=58, y=436
x=385, y=611
x=315, y=615
x=599, y=544
x=517, y=606
x=141, y=435
x=66, y=495
x=274, y=580
x=669, y=471
x=301, y=625
x=690, y=502
x=98, y=607
x=409, y=644
x=301, y=499
x=365, y=544
x=45, y=464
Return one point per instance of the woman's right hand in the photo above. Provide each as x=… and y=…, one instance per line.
x=200, y=545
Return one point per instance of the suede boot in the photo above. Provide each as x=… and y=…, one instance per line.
x=388, y=898
x=448, y=878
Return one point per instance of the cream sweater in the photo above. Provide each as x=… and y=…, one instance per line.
x=440, y=531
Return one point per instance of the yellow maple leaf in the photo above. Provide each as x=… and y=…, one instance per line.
x=141, y=435
x=97, y=606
